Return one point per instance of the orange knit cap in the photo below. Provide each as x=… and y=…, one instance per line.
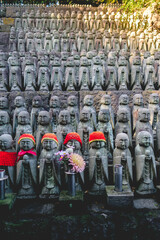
x=96, y=136
x=27, y=136
x=50, y=136
x=72, y=136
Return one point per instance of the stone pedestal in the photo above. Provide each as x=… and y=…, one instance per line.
x=119, y=199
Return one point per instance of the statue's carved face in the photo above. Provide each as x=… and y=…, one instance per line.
x=122, y=142
x=3, y=103
x=97, y=144
x=64, y=118
x=138, y=100
x=23, y=118
x=111, y=61
x=57, y=62
x=124, y=100
x=5, y=143
x=43, y=118
x=88, y=100
x=49, y=144
x=54, y=102
x=19, y=101
x=4, y=118
x=154, y=98
x=145, y=140
x=123, y=116
x=36, y=102
x=144, y=115
x=106, y=99
x=75, y=144
x=72, y=101
x=104, y=116
x=26, y=144
x=85, y=116
x=84, y=61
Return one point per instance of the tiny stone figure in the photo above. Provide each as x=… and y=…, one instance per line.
x=29, y=75
x=106, y=104
x=124, y=103
x=70, y=77
x=8, y=159
x=137, y=104
x=56, y=75
x=116, y=43
x=44, y=75
x=56, y=42
x=81, y=41
x=26, y=179
x=74, y=111
x=136, y=74
x=158, y=135
x=30, y=42
x=145, y=164
x=64, y=42
x=21, y=42
x=18, y=21
x=123, y=75
x=72, y=42
x=149, y=75
x=5, y=126
x=43, y=127
x=24, y=21
x=111, y=74
x=74, y=141
x=12, y=42
x=124, y=42
x=88, y=106
x=54, y=110
x=122, y=155
x=105, y=126
x=36, y=108
x=153, y=107
x=90, y=42
x=3, y=76
x=19, y=103
x=23, y=126
x=15, y=78
x=85, y=128
x=107, y=41
x=84, y=78
x=49, y=175
x=98, y=81
x=64, y=126
x=98, y=41
x=48, y=43
x=98, y=163
x=4, y=104
x=38, y=42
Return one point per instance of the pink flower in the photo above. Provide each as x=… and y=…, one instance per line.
x=77, y=162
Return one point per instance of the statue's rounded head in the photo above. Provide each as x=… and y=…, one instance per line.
x=26, y=142
x=124, y=99
x=154, y=98
x=73, y=140
x=37, y=101
x=104, y=115
x=5, y=142
x=106, y=99
x=122, y=115
x=72, y=100
x=85, y=115
x=144, y=115
x=64, y=117
x=23, y=118
x=3, y=103
x=144, y=138
x=49, y=141
x=43, y=118
x=97, y=140
x=138, y=99
x=4, y=118
x=122, y=141
x=54, y=102
x=88, y=100
x=19, y=101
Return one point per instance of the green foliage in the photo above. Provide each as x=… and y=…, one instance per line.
x=136, y=5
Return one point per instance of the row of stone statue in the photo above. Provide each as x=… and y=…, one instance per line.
x=61, y=122
x=46, y=175
x=87, y=71
x=73, y=20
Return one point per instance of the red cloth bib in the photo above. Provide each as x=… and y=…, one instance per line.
x=8, y=158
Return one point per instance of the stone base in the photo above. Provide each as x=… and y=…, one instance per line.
x=8, y=203
x=119, y=199
x=145, y=203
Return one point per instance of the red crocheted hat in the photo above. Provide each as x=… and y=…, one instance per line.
x=96, y=136
x=51, y=136
x=71, y=136
x=29, y=136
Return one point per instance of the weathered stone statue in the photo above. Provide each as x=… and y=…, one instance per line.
x=111, y=74
x=107, y=41
x=124, y=103
x=73, y=21
x=48, y=43
x=124, y=41
x=153, y=107
x=36, y=108
x=88, y=106
x=43, y=127
x=23, y=126
x=98, y=163
x=116, y=43
x=85, y=128
x=64, y=126
x=73, y=110
x=5, y=126
x=123, y=75
x=70, y=77
x=122, y=156
x=137, y=105
x=98, y=41
x=26, y=177
x=4, y=104
x=43, y=75
x=18, y=21
x=56, y=75
x=105, y=126
x=123, y=125
x=145, y=164
x=90, y=41
x=136, y=74
x=15, y=78
x=38, y=20
x=97, y=81
x=54, y=110
x=158, y=135
x=53, y=22
x=64, y=42
x=12, y=42
x=72, y=42
x=19, y=103
x=106, y=105
x=149, y=75
x=38, y=41
x=8, y=158
x=31, y=19
x=56, y=42
x=84, y=78
x=142, y=42
x=3, y=76
x=81, y=41
x=49, y=171
x=21, y=42
x=29, y=75
x=24, y=21
x=30, y=43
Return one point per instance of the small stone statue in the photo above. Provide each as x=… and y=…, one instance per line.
x=54, y=110
x=98, y=163
x=26, y=179
x=73, y=110
x=145, y=164
x=98, y=81
x=122, y=155
x=106, y=104
x=153, y=107
x=4, y=104
x=36, y=108
x=48, y=43
x=70, y=77
x=81, y=41
x=111, y=74
x=12, y=42
x=49, y=171
x=136, y=74
x=137, y=104
x=8, y=159
x=56, y=42
x=158, y=135
x=15, y=78
x=88, y=106
x=123, y=75
x=43, y=127
x=149, y=75
x=30, y=42
x=56, y=75
x=84, y=78
x=23, y=126
x=5, y=126
x=44, y=75
x=123, y=125
x=3, y=76
x=29, y=75
x=124, y=103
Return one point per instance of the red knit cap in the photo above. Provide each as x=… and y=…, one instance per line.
x=72, y=136
x=96, y=136
x=50, y=136
x=27, y=136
